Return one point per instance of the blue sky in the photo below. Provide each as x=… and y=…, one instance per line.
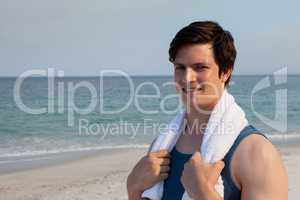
x=84, y=37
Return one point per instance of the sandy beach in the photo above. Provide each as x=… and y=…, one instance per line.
x=101, y=175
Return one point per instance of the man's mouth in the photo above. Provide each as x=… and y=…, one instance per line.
x=191, y=90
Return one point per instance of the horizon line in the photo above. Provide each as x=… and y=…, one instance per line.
x=135, y=75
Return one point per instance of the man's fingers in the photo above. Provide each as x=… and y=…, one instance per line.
x=163, y=176
x=196, y=156
x=164, y=169
x=219, y=166
x=164, y=161
x=160, y=154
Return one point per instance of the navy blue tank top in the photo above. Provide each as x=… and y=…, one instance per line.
x=173, y=189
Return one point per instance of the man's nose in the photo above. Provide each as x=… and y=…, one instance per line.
x=190, y=76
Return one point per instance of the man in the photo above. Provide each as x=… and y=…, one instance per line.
x=203, y=56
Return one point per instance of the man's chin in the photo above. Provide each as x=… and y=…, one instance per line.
x=201, y=108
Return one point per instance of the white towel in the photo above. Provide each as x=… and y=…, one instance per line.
x=224, y=125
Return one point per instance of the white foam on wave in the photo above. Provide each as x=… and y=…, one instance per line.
x=283, y=138
x=69, y=150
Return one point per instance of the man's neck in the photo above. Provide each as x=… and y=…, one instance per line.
x=196, y=122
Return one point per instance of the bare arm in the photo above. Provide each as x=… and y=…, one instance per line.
x=261, y=172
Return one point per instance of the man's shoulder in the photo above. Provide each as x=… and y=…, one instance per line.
x=255, y=147
x=254, y=156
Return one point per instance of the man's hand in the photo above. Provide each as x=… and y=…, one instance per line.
x=199, y=178
x=151, y=169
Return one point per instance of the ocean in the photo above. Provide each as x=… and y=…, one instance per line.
x=123, y=113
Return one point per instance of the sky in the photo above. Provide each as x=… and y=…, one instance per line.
x=84, y=37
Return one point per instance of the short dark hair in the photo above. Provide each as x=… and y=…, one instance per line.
x=203, y=32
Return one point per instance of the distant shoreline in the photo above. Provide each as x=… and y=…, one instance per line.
x=9, y=165
x=141, y=76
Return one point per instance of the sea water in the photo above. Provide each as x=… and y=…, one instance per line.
x=125, y=114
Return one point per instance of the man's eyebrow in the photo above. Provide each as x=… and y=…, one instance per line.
x=175, y=63
x=200, y=63
x=197, y=63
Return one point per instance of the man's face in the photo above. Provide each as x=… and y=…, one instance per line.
x=197, y=77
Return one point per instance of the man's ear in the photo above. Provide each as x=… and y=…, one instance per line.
x=225, y=76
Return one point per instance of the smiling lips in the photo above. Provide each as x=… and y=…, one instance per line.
x=191, y=90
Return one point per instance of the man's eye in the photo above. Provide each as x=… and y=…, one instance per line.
x=179, y=68
x=201, y=67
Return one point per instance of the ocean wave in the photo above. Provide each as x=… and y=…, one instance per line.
x=35, y=146
x=288, y=137
x=69, y=150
